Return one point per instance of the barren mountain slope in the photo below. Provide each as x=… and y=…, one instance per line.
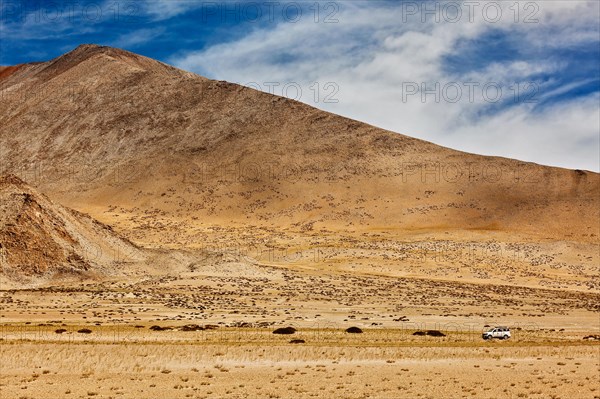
x=41, y=239
x=173, y=159
x=43, y=242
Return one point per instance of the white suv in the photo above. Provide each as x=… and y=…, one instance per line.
x=497, y=332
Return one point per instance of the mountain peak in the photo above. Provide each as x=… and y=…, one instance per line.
x=86, y=46
x=91, y=49
x=98, y=56
x=84, y=52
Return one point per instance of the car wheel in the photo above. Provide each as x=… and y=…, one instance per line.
x=505, y=337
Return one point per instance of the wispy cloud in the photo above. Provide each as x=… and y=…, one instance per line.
x=165, y=9
x=138, y=37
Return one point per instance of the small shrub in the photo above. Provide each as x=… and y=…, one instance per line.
x=354, y=330
x=159, y=328
x=435, y=333
x=192, y=327
x=285, y=330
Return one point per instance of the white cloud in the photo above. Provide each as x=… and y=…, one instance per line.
x=137, y=37
x=165, y=9
x=567, y=133
x=376, y=50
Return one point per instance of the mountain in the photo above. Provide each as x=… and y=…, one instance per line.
x=174, y=160
x=43, y=242
x=41, y=239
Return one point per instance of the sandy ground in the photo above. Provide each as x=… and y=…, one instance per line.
x=234, y=369
x=238, y=356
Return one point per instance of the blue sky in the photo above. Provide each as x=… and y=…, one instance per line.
x=515, y=79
